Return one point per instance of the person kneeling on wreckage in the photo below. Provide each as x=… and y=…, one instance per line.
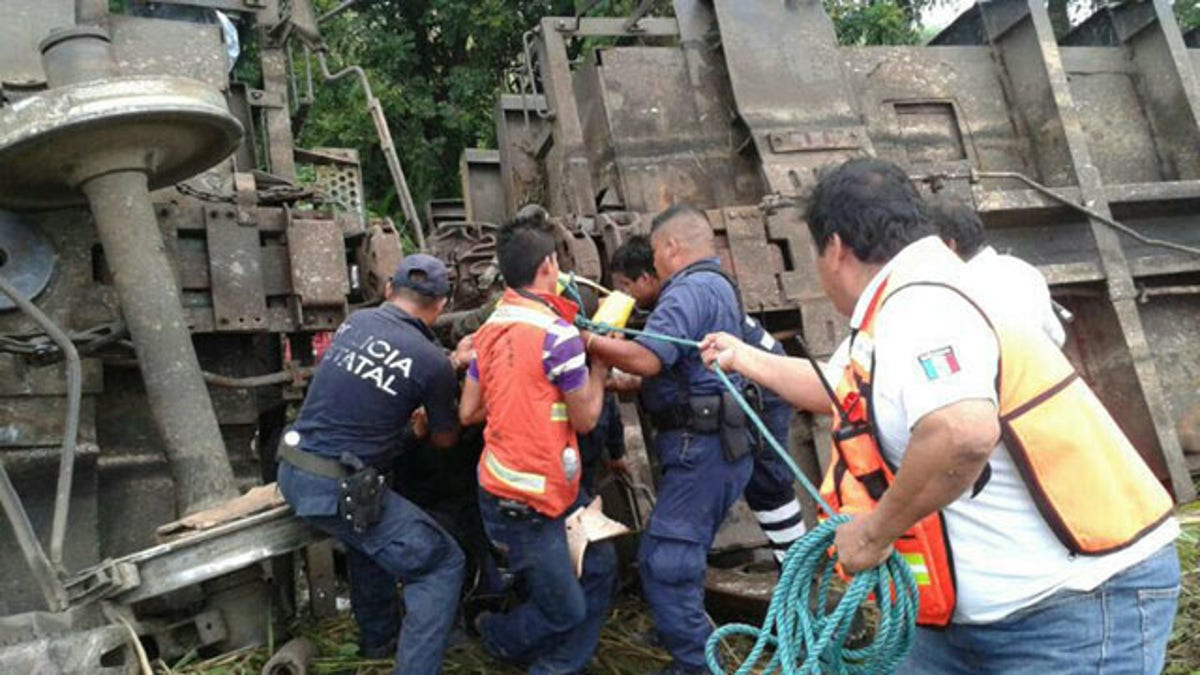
x=382, y=367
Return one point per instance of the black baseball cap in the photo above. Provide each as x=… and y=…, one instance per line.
x=424, y=274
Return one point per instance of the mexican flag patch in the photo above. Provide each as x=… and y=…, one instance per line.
x=939, y=363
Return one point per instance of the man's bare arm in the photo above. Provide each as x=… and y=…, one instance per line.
x=946, y=453
x=471, y=409
x=585, y=403
x=627, y=355
x=794, y=379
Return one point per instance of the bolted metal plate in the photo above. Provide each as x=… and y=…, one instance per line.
x=183, y=127
x=26, y=258
x=319, y=274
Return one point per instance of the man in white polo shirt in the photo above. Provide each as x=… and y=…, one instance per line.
x=1058, y=551
x=1001, y=278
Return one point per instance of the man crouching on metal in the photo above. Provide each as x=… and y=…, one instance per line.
x=531, y=381
x=382, y=366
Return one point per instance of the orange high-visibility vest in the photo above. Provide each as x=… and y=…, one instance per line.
x=530, y=451
x=1088, y=481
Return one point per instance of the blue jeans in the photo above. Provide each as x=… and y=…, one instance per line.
x=698, y=487
x=557, y=629
x=408, y=546
x=1120, y=627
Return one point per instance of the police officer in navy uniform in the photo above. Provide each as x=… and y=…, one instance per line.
x=702, y=439
x=769, y=493
x=382, y=367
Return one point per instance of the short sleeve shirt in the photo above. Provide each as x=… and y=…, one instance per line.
x=690, y=306
x=563, y=358
x=383, y=364
x=1008, y=284
x=755, y=335
x=932, y=349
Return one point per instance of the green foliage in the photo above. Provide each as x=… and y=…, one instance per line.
x=437, y=67
x=866, y=22
x=1187, y=13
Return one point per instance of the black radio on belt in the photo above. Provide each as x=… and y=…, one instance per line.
x=712, y=414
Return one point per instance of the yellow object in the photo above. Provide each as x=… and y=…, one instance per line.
x=615, y=310
x=565, y=278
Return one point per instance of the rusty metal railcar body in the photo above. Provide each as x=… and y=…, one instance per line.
x=735, y=106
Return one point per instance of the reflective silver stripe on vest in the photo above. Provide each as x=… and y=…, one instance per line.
x=518, y=480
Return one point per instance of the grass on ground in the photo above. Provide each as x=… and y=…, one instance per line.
x=622, y=647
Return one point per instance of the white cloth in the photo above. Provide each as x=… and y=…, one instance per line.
x=1005, y=555
x=1008, y=280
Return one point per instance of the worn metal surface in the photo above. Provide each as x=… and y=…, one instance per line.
x=77, y=641
x=377, y=256
x=318, y=281
x=340, y=180
x=483, y=187
x=183, y=125
x=27, y=258
x=235, y=270
x=216, y=248
x=70, y=433
x=152, y=309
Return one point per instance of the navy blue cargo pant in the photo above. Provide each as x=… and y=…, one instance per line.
x=406, y=546
x=770, y=492
x=697, y=490
x=557, y=629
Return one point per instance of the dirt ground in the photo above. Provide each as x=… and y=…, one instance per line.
x=623, y=649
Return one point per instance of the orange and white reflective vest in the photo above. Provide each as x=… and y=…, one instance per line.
x=1088, y=481
x=530, y=451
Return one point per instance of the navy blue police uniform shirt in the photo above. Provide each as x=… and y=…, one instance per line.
x=689, y=306
x=755, y=335
x=383, y=364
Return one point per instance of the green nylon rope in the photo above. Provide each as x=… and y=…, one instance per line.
x=803, y=636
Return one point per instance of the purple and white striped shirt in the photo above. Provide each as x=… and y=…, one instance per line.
x=563, y=358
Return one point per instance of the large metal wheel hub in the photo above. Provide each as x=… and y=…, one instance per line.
x=175, y=126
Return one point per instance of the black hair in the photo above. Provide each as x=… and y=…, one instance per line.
x=634, y=257
x=871, y=205
x=956, y=221
x=675, y=211
x=522, y=244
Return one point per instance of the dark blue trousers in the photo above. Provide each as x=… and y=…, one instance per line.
x=557, y=629
x=771, y=481
x=697, y=490
x=770, y=493
x=406, y=546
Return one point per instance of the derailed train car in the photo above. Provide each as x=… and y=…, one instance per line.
x=167, y=270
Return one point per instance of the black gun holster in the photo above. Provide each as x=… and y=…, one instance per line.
x=360, y=499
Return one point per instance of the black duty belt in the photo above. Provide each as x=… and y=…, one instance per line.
x=670, y=419
x=314, y=464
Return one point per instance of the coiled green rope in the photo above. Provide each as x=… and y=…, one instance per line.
x=803, y=637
